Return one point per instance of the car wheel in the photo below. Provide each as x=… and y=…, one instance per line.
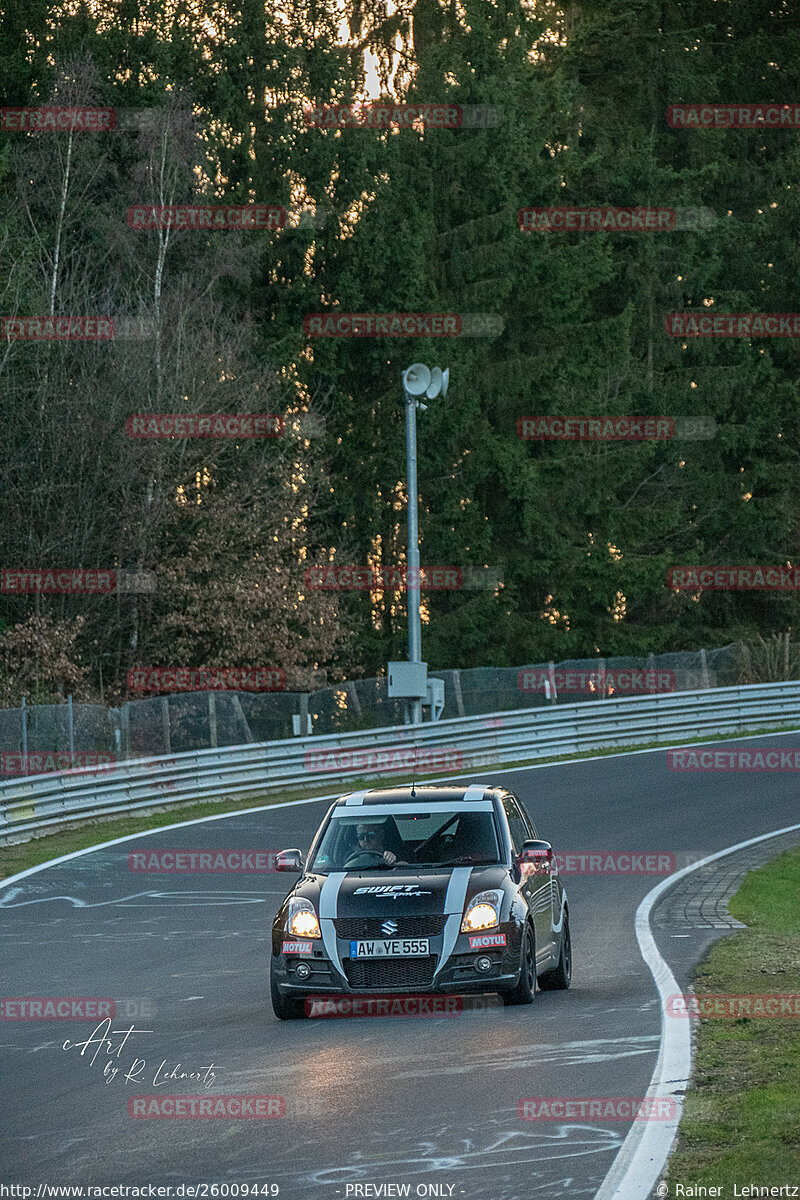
x=525, y=990
x=286, y=1008
x=561, y=975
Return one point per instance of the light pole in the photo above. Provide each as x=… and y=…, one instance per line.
x=417, y=380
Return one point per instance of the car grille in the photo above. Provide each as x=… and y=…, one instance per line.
x=370, y=927
x=390, y=973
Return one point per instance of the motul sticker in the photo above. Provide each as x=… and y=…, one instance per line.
x=482, y=940
x=297, y=948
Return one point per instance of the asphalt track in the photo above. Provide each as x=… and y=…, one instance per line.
x=372, y=1101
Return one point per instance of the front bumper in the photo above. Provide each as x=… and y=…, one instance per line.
x=458, y=974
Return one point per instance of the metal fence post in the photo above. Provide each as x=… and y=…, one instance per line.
x=71, y=720
x=237, y=708
x=651, y=666
x=212, y=719
x=165, y=724
x=353, y=694
x=25, y=733
x=704, y=681
x=457, y=692
x=125, y=730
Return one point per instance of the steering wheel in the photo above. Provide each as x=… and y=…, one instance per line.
x=372, y=857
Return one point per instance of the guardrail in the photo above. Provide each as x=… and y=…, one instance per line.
x=36, y=802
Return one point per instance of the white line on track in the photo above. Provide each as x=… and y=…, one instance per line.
x=645, y=1151
x=647, y=1146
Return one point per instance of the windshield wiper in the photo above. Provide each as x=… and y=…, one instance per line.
x=467, y=858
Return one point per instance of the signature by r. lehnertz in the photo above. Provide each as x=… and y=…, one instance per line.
x=109, y=1042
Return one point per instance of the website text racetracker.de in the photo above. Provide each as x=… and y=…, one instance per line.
x=46, y=1191
x=736, y=578
x=46, y=762
x=619, y=679
x=382, y=324
x=385, y=759
x=354, y=578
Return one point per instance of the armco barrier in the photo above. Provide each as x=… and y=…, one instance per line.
x=36, y=802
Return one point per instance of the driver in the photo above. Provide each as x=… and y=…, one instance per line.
x=371, y=837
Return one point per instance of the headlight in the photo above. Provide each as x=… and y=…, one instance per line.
x=303, y=921
x=483, y=912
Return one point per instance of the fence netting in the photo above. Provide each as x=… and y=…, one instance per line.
x=201, y=720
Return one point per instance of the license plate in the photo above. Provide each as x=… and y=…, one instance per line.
x=397, y=948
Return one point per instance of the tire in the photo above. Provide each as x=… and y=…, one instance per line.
x=561, y=975
x=286, y=1008
x=525, y=989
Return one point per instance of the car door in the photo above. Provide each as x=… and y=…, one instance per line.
x=535, y=886
x=555, y=886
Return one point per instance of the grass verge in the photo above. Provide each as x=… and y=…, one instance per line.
x=80, y=835
x=741, y=1122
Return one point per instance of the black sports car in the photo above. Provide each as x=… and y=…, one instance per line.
x=427, y=890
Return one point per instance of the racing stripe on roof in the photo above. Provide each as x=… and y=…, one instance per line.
x=475, y=791
x=356, y=798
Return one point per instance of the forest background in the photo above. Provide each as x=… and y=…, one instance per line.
x=578, y=536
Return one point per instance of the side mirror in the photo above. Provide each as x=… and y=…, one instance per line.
x=289, y=860
x=535, y=856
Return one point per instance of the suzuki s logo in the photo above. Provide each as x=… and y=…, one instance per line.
x=391, y=891
x=389, y=927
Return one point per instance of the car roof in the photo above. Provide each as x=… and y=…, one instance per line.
x=428, y=794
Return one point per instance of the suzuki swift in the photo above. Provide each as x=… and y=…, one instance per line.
x=429, y=890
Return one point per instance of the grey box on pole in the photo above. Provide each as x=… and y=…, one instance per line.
x=408, y=680
x=435, y=698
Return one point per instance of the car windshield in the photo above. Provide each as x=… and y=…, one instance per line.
x=415, y=839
